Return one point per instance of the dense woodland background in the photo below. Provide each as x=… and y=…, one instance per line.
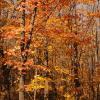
x=49, y=49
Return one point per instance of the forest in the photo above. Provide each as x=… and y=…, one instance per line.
x=49, y=49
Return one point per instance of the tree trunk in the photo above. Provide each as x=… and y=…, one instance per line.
x=76, y=69
x=21, y=88
x=46, y=63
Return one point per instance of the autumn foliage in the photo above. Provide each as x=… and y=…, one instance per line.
x=49, y=50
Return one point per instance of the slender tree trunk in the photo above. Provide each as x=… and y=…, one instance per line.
x=76, y=71
x=36, y=85
x=46, y=90
x=22, y=47
x=46, y=63
x=21, y=87
x=98, y=91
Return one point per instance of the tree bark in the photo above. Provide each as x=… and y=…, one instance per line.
x=21, y=87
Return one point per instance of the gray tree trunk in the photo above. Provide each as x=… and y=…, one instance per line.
x=21, y=88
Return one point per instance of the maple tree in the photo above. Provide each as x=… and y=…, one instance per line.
x=49, y=49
